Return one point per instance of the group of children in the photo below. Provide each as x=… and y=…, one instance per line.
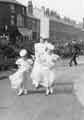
x=42, y=70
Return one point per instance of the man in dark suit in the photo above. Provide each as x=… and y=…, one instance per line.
x=75, y=52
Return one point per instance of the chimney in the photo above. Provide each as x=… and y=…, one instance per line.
x=30, y=7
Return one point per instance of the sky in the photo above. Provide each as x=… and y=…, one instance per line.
x=73, y=9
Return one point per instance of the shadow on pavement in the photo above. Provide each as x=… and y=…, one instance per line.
x=58, y=90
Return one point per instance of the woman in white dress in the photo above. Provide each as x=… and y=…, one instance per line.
x=17, y=79
x=39, y=52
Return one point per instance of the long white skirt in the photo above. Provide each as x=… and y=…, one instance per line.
x=79, y=89
x=48, y=77
x=42, y=75
x=36, y=72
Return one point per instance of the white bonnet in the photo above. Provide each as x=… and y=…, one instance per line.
x=23, y=52
x=50, y=46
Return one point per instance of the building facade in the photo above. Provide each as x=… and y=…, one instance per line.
x=12, y=16
x=44, y=22
x=17, y=23
x=24, y=25
x=58, y=30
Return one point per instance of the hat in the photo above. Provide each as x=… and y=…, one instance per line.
x=23, y=52
x=50, y=46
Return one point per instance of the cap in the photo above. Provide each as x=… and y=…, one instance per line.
x=23, y=52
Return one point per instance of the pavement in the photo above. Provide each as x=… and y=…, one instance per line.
x=62, y=105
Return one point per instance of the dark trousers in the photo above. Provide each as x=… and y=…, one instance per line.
x=73, y=60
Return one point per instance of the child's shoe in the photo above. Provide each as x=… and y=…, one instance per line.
x=20, y=92
x=47, y=91
x=25, y=91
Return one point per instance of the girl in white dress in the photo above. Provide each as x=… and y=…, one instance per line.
x=17, y=79
x=48, y=69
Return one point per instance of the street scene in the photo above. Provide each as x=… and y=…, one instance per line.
x=41, y=60
x=63, y=104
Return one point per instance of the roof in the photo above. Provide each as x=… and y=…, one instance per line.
x=12, y=1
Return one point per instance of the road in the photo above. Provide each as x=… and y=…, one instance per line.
x=62, y=105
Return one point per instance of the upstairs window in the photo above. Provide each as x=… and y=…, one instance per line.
x=20, y=20
x=23, y=11
x=12, y=20
x=12, y=8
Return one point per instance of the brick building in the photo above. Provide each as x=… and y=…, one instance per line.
x=33, y=22
x=61, y=32
x=12, y=16
x=58, y=30
x=17, y=24
x=24, y=25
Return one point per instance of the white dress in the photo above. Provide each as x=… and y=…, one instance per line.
x=21, y=74
x=37, y=67
x=48, y=70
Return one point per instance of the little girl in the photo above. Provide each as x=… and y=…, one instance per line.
x=48, y=67
x=17, y=79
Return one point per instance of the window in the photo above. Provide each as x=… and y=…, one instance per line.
x=20, y=20
x=12, y=8
x=23, y=10
x=29, y=22
x=12, y=20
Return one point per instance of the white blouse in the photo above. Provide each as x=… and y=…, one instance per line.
x=24, y=64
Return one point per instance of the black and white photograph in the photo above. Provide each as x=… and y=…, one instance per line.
x=41, y=59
